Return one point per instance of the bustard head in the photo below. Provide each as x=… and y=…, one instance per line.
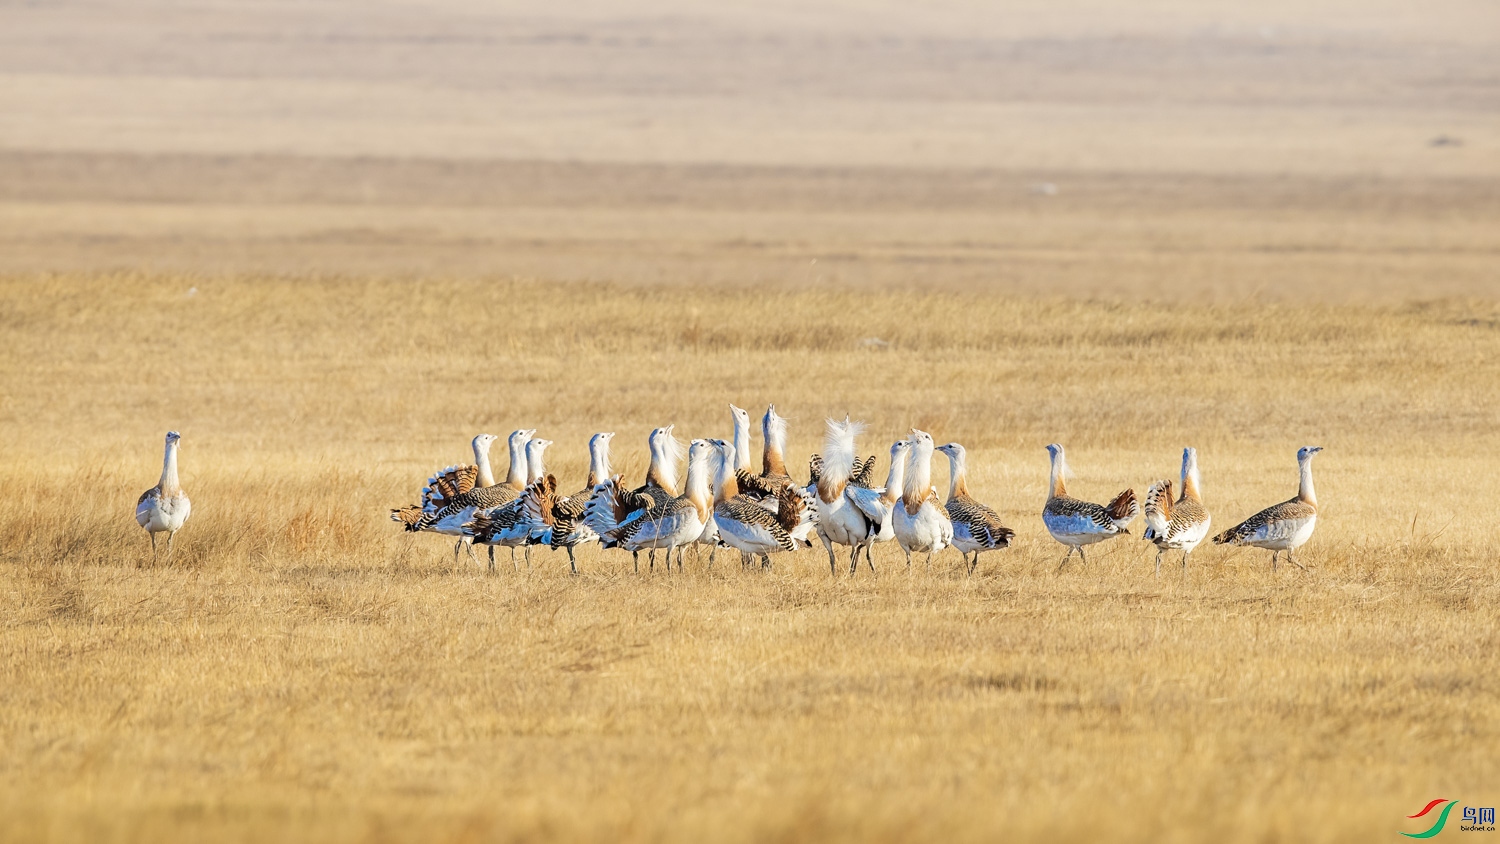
x=1307, y=451
x=173, y=437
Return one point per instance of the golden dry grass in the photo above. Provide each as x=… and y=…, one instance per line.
x=301, y=670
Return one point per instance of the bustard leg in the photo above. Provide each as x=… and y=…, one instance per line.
x=1184, y=562
x=528, y=557
x=713, y=551
x=1158, y=562
x=1274, y=555
x=1066, y=557
x=572, y=561
x=765, y=561
x=679, y=555
x=905, y=551
x=1083, y=556
x=974, y=565
x=492, y=559
x=853, y=561
x=1288, y=556
x=457, y=549
x=827, y=546
x=929, y=561
x=636, y=555
x=651, y=558
x=153, y=547
x=868, y=560
x=173, y=533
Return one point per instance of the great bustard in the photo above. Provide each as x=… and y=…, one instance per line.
x=447, y=484
x=165, y=507
x=920, y=522
x=611, y=506
x=752, y=529
x=1285, y=526
x=561, y=516
x=1177, y=525
x=765, y=487
x=450, y=519
x=976, y=527
x=1077, y=523
x=679, y=521
x=841, y=518
x=511, y=524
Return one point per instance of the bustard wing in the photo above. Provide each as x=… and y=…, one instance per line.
x=661, y=520
x=506, y=522
x=478, y=498
x=144, y=504
x=759, y=486
x=982, y=524
x=1072, y=517
x=869, y=503
x=750, y=522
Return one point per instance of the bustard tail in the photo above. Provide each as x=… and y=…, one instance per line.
x=797, y=513
x=1158, y=509
x=1123, y=509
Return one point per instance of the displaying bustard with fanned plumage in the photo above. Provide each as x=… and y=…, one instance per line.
x=611, y=506
x=1282, y=527
x=847, y=514
x=450, y=518
x=752, y=529
x=677, y=522
x=164, y=508
x=511, y=524
x=766, y=487
x=1181, y=524
x=449, y=483
x=976, y=528
x=919, y=519
x=1077, y=523
x=561, y=516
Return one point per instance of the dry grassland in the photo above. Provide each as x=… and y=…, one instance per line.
x=301, y=670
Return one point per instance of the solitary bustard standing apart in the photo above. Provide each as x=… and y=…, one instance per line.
x=976, y=527
x=1177, y=525
x=1282, y=527
x=919, y=520
x=1077, y=523
x=165, y=507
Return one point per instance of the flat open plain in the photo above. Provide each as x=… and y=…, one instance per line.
x=330, y=244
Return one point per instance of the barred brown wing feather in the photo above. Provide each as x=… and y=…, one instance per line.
x=1124, y=506
x=983, y=522
x=748, y=512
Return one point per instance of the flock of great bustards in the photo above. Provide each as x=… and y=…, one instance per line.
x=723, y=502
